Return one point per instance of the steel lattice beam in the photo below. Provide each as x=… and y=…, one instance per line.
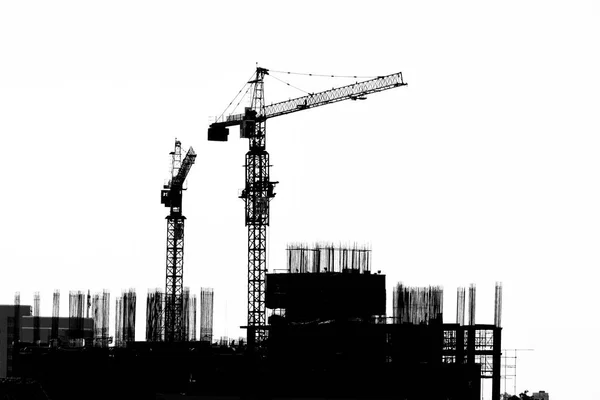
x=257, y=193
x=257, y=270
x=348, y=92
x=333, y=96
x=174, y=279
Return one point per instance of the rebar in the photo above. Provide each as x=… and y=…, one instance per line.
x=460, y=306
x=418, y=305
x=192, y=330
x=17, y=318
x=119, y=322
x=185, y=316
x=130, y=309
x=125, y=318
x=36, y=318
x=55, y=313
x=206, y=314
x=472, y=304
x=76, y=305
x=154, y=316
x=324, y=257
x=498, y=305
x=100, y=314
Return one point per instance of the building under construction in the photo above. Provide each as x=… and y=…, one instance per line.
x=318, y=330
x=329, y=325
x=328, y=335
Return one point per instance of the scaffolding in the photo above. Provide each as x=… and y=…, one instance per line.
x=509, y=366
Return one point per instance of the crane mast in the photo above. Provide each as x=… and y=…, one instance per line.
x=257, y=193
x=259, y=189
x=171, y=196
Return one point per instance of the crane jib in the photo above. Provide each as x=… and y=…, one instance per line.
x=218, y=131
x=333, y=95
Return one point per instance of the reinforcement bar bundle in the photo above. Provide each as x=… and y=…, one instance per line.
x=17, y=318
x=472, y=303
x=193, y=302
x=125, y=319
x=327, y=258
x=101, y=314
x=498, y=305
x=460, y=306
x=36, y=317
x=188, y=320
x=154, y=315
x=206, y=314
x=55, y=313
x=418, y=305
x=77, y=303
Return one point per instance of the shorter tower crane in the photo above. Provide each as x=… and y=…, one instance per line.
x=171, y=196
x=258, y=190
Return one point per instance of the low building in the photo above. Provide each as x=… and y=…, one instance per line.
x=70, y=331
x=26, y=330
x=541, y=395
x=10, y=318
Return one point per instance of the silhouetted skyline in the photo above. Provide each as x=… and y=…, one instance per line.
x=482, y=169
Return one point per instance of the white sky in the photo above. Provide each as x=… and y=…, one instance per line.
x=483, y=169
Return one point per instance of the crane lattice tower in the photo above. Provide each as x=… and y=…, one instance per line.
x=171, y=196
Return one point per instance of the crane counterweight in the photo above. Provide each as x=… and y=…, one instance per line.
x=218, y=133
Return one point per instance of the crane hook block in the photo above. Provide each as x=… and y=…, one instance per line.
x=218, y=133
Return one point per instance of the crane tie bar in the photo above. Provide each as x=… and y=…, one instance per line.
x=325, y=75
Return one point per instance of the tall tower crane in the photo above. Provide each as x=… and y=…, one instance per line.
x=258, y=191
x=171, y=195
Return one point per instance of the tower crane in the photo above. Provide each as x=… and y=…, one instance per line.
x=171, y=196
x=259, y=189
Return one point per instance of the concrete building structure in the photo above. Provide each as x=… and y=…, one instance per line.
x=66, y=334
x=541, y=395
x=8, y=331
x=27, y=330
